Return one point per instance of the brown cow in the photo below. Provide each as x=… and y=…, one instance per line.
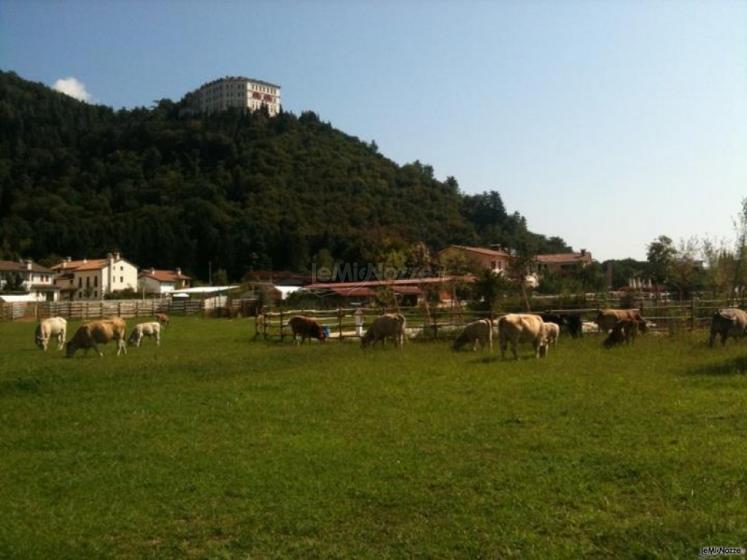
x=100, y=332
x=306, y=327
x=608, y=318
x=163, y=319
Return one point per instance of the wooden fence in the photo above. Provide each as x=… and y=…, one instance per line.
x=99, y=309
x=341, y=324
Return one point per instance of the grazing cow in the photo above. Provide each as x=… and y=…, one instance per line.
x=478, y=331
x=163, y=319
x=728, y=322
x=551, y=333
x=48, y=328
x=389, y=325
x=623, y=331
x=522, y=327
x=569, y=321
x=575, y=325
x=88, y=335
x=305, y=327
x=145, y=329
x=608, y=318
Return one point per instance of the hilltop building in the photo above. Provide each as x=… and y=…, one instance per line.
x=238, y=92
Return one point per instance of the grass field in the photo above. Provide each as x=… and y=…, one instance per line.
x=214, y=446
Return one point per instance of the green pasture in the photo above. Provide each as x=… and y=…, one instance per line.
x=217, y=446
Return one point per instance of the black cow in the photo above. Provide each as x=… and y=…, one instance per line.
x=571, y=322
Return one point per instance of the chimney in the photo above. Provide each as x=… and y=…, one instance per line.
x=583, y=252
x=178, y=271
x=28, y=263
x=116, y=255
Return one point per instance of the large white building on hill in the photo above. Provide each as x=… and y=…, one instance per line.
x=238, y=92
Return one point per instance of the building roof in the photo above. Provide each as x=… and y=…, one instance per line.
x=21, y=266
x=86, y=264
x=479, y=250
x=83, y=264
x=163, y=275
x=564, y=258
x=201, y=290
x=239, y=78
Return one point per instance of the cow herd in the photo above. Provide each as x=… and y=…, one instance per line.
x=621, y=326
x=541, y=331
x=92, y=333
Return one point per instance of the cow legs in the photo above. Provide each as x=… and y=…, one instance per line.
x=158, y=339
x=61, y=340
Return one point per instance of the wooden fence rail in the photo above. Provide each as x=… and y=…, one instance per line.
x=84, y=310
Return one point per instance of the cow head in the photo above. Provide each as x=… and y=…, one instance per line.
x=70, y=349
x=39, y=339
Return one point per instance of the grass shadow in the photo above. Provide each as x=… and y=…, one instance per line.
x=734, y=366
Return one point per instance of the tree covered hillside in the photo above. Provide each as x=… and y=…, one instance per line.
x=240, y=190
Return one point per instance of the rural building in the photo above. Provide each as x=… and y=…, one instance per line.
x=95, y=278
x=34, y=279
x=409, y=291
x=154, y=281
x=237, y=92
x=560, y=263
x=478, y=257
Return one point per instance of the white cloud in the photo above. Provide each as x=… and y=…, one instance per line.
x=74, y=88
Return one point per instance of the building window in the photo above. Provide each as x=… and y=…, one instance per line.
x=121, y=279
x=80, y=281
x=95, y=281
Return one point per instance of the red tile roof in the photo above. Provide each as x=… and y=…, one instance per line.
x=479, y=250
x=163, y=275
x=20, y=266
x=393, y=284
x=557, y=258
x=85, y=264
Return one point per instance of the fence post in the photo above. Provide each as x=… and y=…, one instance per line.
x=282, y=334
x=692, y=313
x=339, y=321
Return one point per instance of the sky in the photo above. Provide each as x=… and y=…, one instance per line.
x=606, y=123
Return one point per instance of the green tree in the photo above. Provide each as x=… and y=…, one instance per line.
x=660, y=256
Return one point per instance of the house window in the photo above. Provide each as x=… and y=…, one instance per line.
x=95, y=293
x=88, y=281
x=80, y=281
x=95, y=281
x=121, y=279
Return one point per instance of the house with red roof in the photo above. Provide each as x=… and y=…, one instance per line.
x=155, y=281
x=478, y=257
x=94, y=278
x=561, y=263
x=30, y=277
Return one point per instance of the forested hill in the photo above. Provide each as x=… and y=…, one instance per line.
x=240, y=190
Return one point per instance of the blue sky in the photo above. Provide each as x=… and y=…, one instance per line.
x=607, y=123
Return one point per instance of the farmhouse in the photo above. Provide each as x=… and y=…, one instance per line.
x=94, y=278
x=154, y=281
x=26, y=276
x=478, y=257
x=560, y=263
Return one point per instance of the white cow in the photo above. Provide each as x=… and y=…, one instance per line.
x=522, y=327
x=552, y=333
x=145, y=329
x=47, y=328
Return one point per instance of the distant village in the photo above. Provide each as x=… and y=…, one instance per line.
x=113, y=276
